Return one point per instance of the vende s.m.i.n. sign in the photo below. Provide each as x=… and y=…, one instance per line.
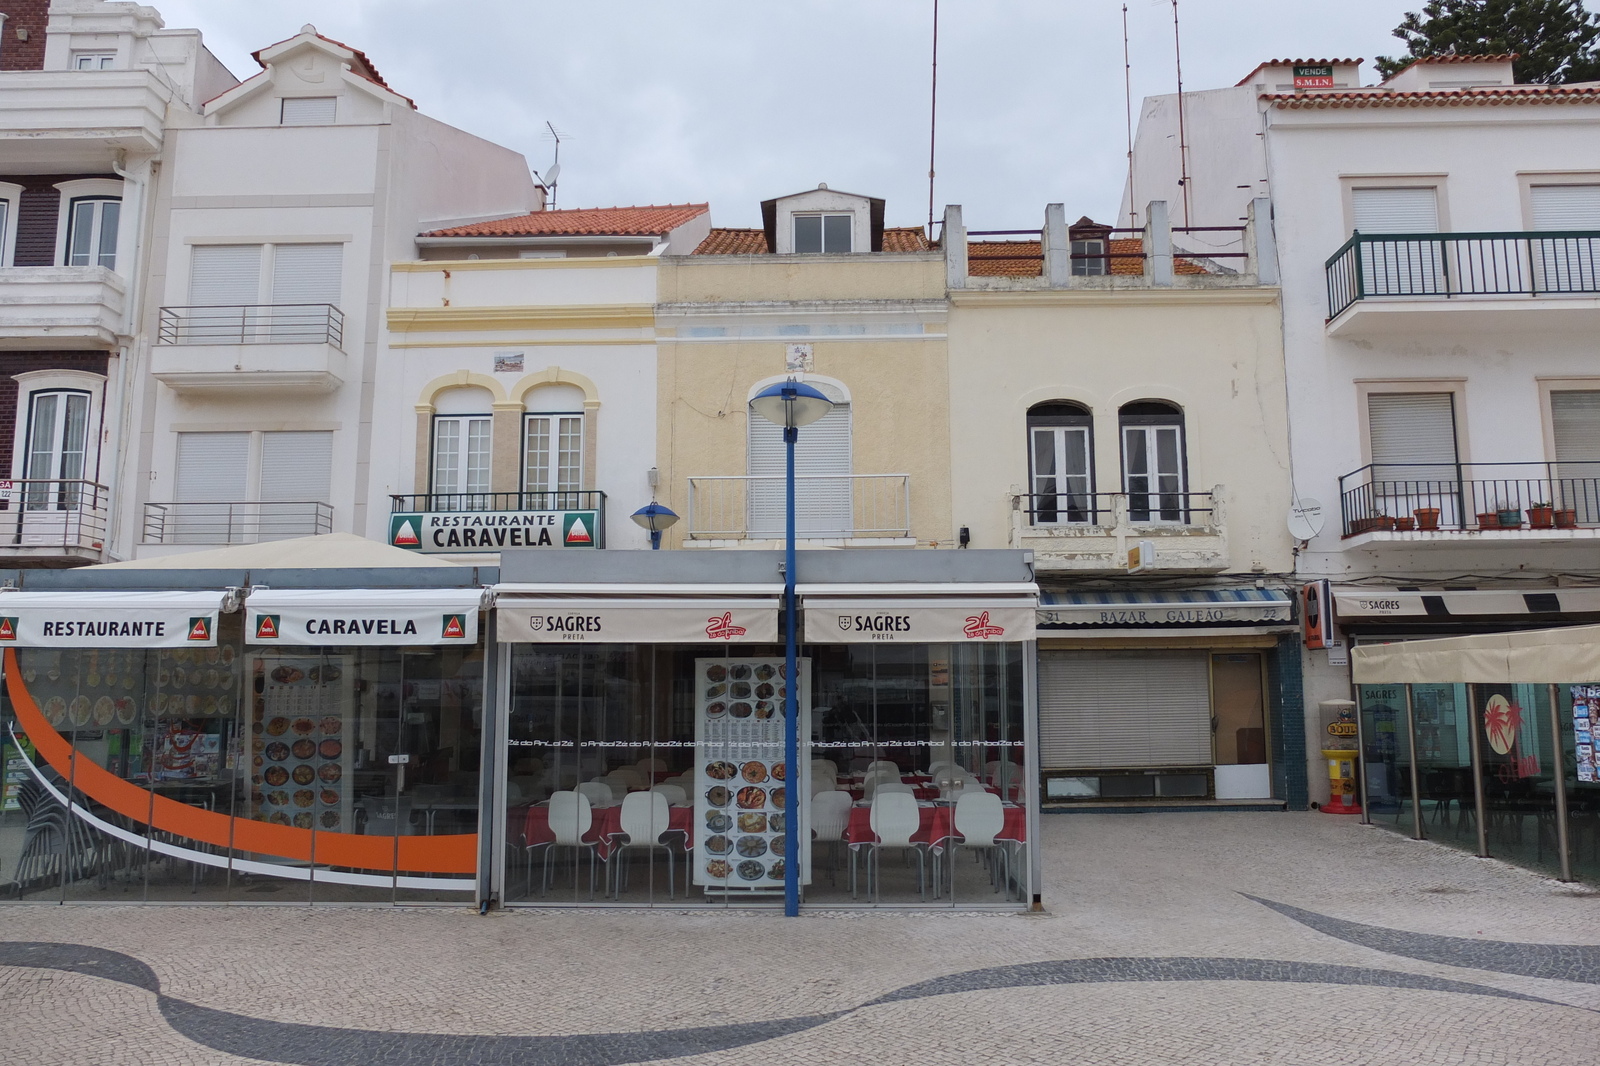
x=492, y=531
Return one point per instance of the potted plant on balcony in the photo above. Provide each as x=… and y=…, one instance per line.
x=1375, y=521
x=1510, y=517
x=1427, y=518
x=1404, y=523
x=1566, y=518
x=1488, y=520
x=1541, y=516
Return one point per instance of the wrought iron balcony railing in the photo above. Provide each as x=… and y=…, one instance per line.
x=54, y=513
x=430, y=502
x=1469, y=497
x=252, y=324
x=235, y=522
x=1445, y=265
x=1050, y=510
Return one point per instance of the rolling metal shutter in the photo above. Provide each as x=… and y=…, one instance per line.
x=1566, y=264
x=297, y=466
x=1113, y=709
x=822, y=507
x=309, y=110
x=213, y=467
x=1403, y=210
x=306, y=273
x=1575, y=422
x=1565, y=206
x=1399, y=268
x=1412, y=427
x=225, y=275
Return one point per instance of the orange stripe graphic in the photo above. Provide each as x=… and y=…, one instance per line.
x=453, y=854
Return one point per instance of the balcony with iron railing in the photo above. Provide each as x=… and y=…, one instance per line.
x=234, y=522
x=283, y=347
x=1091, y=531
x=1418, y=505
x=474, y=522
x=870, y=509
x=1419, y=281
x=52, y=522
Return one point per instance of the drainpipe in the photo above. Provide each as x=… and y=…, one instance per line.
x=136, y=182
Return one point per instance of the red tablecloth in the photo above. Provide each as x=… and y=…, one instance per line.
x=605, y=827
x=938, y=825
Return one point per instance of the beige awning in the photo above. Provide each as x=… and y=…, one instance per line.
x=1541, y=656
x=322, y=552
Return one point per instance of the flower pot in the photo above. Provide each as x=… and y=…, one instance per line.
x=1427, y=517
x=1405, y=525
x=1566, y=518
x=1488, y=520
x=1510, y=518
x=1541, y=517
x=1370, y=523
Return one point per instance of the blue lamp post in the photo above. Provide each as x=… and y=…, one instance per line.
x=791, y=404
x=655, y=517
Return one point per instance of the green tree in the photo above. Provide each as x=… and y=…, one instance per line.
x=1555, y=40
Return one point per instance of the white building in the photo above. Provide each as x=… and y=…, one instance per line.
x=1437, y=236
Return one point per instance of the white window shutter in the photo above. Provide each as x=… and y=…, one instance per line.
x=1575, y=422
x=1124, y=709
x=225, y=275
x=297, y=466
x=309, y=110
x=822, y=453
x=1402, y=210
x=1565, y=207
x=307, y=273
x=213, y=467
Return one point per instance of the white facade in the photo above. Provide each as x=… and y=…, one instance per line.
x=1444, y=338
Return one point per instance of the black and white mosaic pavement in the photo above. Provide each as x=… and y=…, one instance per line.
x=315, y=1045
x=1558, y=962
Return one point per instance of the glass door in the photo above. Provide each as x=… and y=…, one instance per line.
x=1239, y=726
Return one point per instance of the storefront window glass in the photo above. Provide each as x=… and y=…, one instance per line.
x=1518, y=773
x=1579, y=707
x=1386, y=756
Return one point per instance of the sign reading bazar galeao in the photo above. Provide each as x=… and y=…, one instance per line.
x=479, y=531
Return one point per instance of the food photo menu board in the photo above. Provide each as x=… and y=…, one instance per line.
x=1585, y=724
x=301, y=742
x=741, y=779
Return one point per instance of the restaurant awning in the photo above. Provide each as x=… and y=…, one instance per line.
x=1356, y=602
x=932, y=613
x=1173, y=608
x=1541, y=656
x=637, y=614
x=95, y=619
x=323, y=551
x=362, y=616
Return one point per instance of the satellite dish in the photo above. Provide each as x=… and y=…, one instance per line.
x=552, y=175
x=1305, y=519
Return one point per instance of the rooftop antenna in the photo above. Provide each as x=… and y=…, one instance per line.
x=1183, y=143
x=549, y=178
x=1127, y=107
x=933, y=114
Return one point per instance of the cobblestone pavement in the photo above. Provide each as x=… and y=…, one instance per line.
x=1173, y=938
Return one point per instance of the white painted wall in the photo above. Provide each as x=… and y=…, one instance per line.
x=825, y=200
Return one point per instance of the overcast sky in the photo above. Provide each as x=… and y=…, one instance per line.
x=736, y=101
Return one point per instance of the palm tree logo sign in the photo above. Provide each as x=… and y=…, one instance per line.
x=1501, y=721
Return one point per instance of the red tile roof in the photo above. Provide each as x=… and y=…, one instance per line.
x=364, y=67
x=644, y=221
x=1298, y=63
x=1487, y=95
x=754, y=241
x=1022, y=259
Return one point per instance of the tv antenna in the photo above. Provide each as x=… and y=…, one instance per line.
x=1183, y=141
x=933, y=114
x=552, y=175
x=1127, y=107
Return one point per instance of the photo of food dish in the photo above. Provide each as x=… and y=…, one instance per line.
x=329, y=772
x=765, y=708
x=739, y=671
x=331, y=726
x=718, y=868
x=753, y=823
x=303, y=727
x=740, y=710
x=80, y=711
x=304, y=749
x=227, y=655
x=776, y=796
x=330, y=797
x=713, y=691
x=212, y=678
x=750, y=847
x=718, y=821
x=180, y=677
x=304, y=820
x=776, y=821
x=715, y=710
x=717, y=795
x=303, y=774
x=775, y=871
x=275, y=776
x=304, y=797
x=330, y=819
x=765, y=672
x=277, y=727
x=278, y=798
x=325, y=674
x=330, y=749
x=210, y=705
x=779, y=843
x=739, y=690
x=277, y=751
x=716, y=672
x=104, y=711
x=754, y=771
x=212, y=655
x=765, y=691
x=192, y=704
x=718, y=845
x=750, y=870
x=287, y=675
x=752, y=798
x=55, y=709
x=721, y=771
x=779, y=770
x=127, y=711
x=279, y=818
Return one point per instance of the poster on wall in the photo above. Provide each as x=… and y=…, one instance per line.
x=301, y=741
x=741, y=779
x=1585, y=723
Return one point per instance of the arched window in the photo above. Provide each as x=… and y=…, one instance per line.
x=462, y=443
x=1061, y=463
x=552, y=447
x=822, y=494
x=1154, y=465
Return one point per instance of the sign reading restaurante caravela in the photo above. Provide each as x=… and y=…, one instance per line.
x=468, y=531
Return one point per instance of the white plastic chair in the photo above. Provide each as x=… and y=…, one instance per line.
x=676, y=795
x=651, y=763
x=895, y=820
x=598, y=793
x=883, y=764
x=886, y=787
x=830, y=817
x=821, y=785
x=623, y=782
x=979, y=817
x=828, y=764
x=570, y=820
x=645, y=820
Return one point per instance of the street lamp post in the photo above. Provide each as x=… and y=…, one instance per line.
x=791, y=404
x=656, y=518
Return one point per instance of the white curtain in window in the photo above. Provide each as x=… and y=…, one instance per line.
x=1153, y=473
x=58, y=437
x=1061, y=478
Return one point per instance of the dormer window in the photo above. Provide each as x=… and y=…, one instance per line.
x=309, y=110
x=93, y=60
x=1089, y=259
x=822, y=233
